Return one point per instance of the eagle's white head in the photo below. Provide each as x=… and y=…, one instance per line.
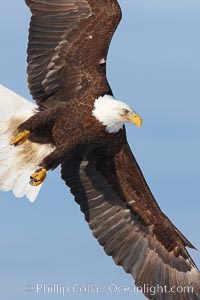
x=113, y=113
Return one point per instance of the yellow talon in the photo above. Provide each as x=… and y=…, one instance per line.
x=20, y=138
x=38, y=177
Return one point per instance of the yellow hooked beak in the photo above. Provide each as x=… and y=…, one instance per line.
x=135, y=119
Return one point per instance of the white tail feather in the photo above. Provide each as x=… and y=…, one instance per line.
x=17, y=163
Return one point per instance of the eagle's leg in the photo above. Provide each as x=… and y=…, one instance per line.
x=38, y=177
x=38, y=128
x=50, y=162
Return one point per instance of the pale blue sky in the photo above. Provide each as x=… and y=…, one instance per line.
x=154, y=64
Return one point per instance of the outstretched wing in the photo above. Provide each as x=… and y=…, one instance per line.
x=126, y=220
x=67, y=50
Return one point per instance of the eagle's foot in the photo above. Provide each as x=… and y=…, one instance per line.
x=38, y=177
x=20, y=138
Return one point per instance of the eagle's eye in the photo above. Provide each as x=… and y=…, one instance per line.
x=125, y=111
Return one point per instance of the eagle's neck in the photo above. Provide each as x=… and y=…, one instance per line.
x=107, y=113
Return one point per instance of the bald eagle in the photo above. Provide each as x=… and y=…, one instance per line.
x=78, y=124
